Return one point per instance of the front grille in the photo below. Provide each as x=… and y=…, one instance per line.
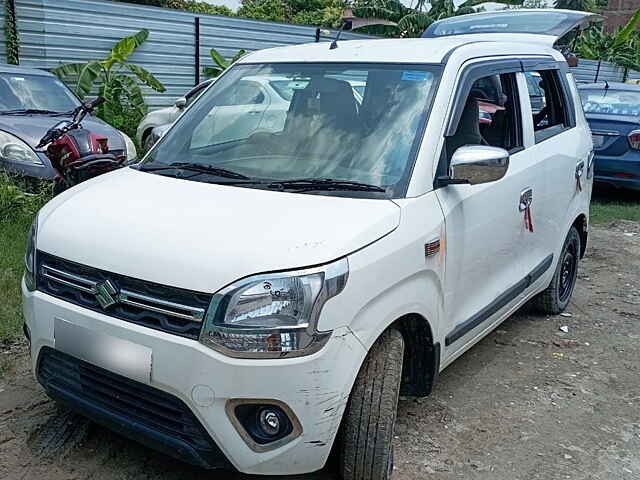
x=169, y=309
x=133, y=409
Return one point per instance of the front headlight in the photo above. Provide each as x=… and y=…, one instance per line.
x=12, y=149
x=273, y=315
x=30, y=257
x=130, y=148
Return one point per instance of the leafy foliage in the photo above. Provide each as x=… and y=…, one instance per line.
x=581, y=5
x=11, y=36
x=220, y=63
x=198, y=7
x=322, y=13
x=411, y=22
x=621, y=47
x=15, y=203
x=271, y=10
x=118, y=82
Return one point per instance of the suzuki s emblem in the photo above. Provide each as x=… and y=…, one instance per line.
x=106, y=294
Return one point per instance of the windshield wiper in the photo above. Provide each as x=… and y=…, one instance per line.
x=194, y=167
x=328, y=184
x=32, y=111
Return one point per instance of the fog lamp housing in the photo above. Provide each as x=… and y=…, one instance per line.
x=263, y=424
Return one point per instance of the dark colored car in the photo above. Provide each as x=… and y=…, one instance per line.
x=613, y=112
x=32, y=101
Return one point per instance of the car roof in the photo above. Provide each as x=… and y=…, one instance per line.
x=5, y=68
x=612, y=86
x=403, y=50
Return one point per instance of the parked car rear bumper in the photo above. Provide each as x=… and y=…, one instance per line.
x=622, y=171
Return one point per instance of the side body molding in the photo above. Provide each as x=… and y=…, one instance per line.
x=484, y=314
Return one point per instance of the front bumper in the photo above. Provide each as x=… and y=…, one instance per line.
x=316, y=388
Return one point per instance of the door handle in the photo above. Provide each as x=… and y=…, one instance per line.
x=579, y=174
x=590, y=163
x=526, y=199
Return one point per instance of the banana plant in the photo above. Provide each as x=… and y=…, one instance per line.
x=118, y=80
x=619, y=47
x=221, y=63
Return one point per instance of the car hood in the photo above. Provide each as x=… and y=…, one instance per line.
x=31, y=128
x=203, y=236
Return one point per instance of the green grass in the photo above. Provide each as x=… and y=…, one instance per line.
x=16, y=214
x=13, y=235
x=610, y=205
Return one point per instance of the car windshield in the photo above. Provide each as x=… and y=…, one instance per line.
x=611, y=102
x=322, y=130
x=34, y=92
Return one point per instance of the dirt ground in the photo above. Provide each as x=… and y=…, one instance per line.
x=528, y=402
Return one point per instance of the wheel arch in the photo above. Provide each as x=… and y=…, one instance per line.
x=421, y=355
x=582, y=225
x=145, y=133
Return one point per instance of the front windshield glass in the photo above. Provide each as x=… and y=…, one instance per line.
x=611, y=102
x=283, y=122
x=34, y=92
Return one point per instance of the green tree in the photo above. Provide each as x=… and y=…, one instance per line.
x=11, y=37
x=117, y=79
x=154, y=3
x=581, y=5
x=411, y=22
x=196, y=6
x=271, y=10
x=321, y=13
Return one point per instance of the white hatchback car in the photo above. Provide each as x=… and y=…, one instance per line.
x=250, y=303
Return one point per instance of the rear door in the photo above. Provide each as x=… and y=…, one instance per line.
x=559, y=153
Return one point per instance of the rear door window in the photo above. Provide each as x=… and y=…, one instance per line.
x=548, y=104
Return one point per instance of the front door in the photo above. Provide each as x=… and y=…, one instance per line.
x=485, y=228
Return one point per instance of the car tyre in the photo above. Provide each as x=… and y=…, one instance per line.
x=557, y=295
x=148, y=141
x=367, y=431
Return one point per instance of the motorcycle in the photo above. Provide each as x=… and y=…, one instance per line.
x=76, y=153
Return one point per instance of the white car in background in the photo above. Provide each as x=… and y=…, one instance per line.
x=166, y=116
x=257, y=95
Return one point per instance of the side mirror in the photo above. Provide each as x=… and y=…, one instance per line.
x=181, y=103
x=476, y=164
x=571, y=59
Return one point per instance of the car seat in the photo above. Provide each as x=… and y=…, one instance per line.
x=468, y=131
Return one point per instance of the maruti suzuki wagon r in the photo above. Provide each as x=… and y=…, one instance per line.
x=256, y=291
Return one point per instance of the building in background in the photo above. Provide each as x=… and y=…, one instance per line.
x=619, y=12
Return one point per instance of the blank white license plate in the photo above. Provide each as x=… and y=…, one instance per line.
x=111, y=353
